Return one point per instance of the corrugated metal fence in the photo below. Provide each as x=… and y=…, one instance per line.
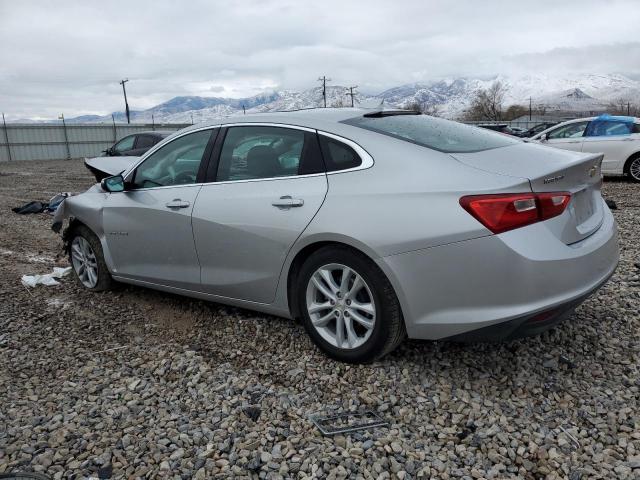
x=43, y=141
x=56, y=141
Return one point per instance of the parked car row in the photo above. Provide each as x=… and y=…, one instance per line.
x=517, y=131
x=367, y=225
x=617, y=137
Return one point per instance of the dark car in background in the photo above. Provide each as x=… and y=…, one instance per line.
x=137, y=144
x=541, y=127
x=500, y=128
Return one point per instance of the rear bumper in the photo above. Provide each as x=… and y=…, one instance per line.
x=500, y=286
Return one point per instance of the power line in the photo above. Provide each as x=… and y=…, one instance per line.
x=351, y=93
x=324, y=81
x=126, y=104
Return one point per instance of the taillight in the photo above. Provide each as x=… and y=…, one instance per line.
x=505, y=211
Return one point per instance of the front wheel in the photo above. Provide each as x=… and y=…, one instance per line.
x=87, y=260
x=348, y=306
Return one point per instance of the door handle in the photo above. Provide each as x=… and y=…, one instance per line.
x=575, y=141
x=287, y=202
x=177, y=203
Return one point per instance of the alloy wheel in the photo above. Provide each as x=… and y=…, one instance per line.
x=634, y=169
x=341, y=306
x=84, y=262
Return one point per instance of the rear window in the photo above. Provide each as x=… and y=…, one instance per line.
x=436, y=133
x=337, y=155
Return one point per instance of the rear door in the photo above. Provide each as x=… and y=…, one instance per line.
x=267, y=184
x=567, y=137
x=143, y=143
x=614, y=139
x=148, y=226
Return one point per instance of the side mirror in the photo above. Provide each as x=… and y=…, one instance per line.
x=543, y=137
x=113, y=184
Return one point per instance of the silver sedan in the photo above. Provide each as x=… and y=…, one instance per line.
x=367, y=226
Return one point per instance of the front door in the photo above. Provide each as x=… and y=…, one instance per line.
x=567, y=137
x=148, y=226
x=270, y=183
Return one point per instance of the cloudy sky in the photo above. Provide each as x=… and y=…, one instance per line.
x=68, y=56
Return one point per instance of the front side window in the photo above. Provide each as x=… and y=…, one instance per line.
x=435, y=133
x=125, y=144
x=255, y=152
x=176, y=163
x=606, y=128
x=573, y=130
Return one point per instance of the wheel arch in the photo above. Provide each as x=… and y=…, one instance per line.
x=309, y=247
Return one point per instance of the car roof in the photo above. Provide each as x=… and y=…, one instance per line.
x=159, y=133
x=317, y=118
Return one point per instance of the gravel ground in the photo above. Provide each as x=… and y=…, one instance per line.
x=139, y=384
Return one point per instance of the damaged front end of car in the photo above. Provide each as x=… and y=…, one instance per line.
x=83, y=209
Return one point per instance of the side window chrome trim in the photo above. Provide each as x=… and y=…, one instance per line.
x=161, y=144
x=367, y=160
x=268, y=179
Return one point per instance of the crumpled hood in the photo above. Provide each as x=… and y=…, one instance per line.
x=110, y=165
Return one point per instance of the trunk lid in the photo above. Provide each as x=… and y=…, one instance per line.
x=552, y=170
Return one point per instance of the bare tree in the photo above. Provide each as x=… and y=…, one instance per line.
x=432, y=110
x=413, y=107
x=515, y=111
x=623, y=106
x=338, y=103
x=487, y=104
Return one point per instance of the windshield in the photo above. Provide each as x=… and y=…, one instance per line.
x=436, y=133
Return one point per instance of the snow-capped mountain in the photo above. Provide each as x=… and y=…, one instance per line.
x=580, y=93
x=451, y=96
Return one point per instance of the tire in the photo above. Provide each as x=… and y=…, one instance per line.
x=81, y=242
x=633, y=168
x=365, y=336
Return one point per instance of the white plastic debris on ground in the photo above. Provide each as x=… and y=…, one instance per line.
x=46, y=279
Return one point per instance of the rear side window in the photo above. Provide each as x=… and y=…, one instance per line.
x=436, y=133
x=255, y=152
x=607, y=128
x=337, y=155
x=146, y=141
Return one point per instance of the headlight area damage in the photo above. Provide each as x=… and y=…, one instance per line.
x=84, y=208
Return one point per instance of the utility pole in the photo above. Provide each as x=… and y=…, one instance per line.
x=324, y=81
x=6, y=135
x=628, y=108
x=115, y=133
x=244, y=111
x=66, y=138
x=192, y=119
x=153, y=122
x=530, y=109
x=351, y=93
x=126, y=104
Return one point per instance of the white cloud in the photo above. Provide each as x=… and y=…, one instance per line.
x=68, y=56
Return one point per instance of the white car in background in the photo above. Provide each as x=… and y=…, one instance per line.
x=617, y=137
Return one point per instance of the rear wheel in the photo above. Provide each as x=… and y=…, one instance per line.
x=633, y=168
x=348, y=306
x=87, y=260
